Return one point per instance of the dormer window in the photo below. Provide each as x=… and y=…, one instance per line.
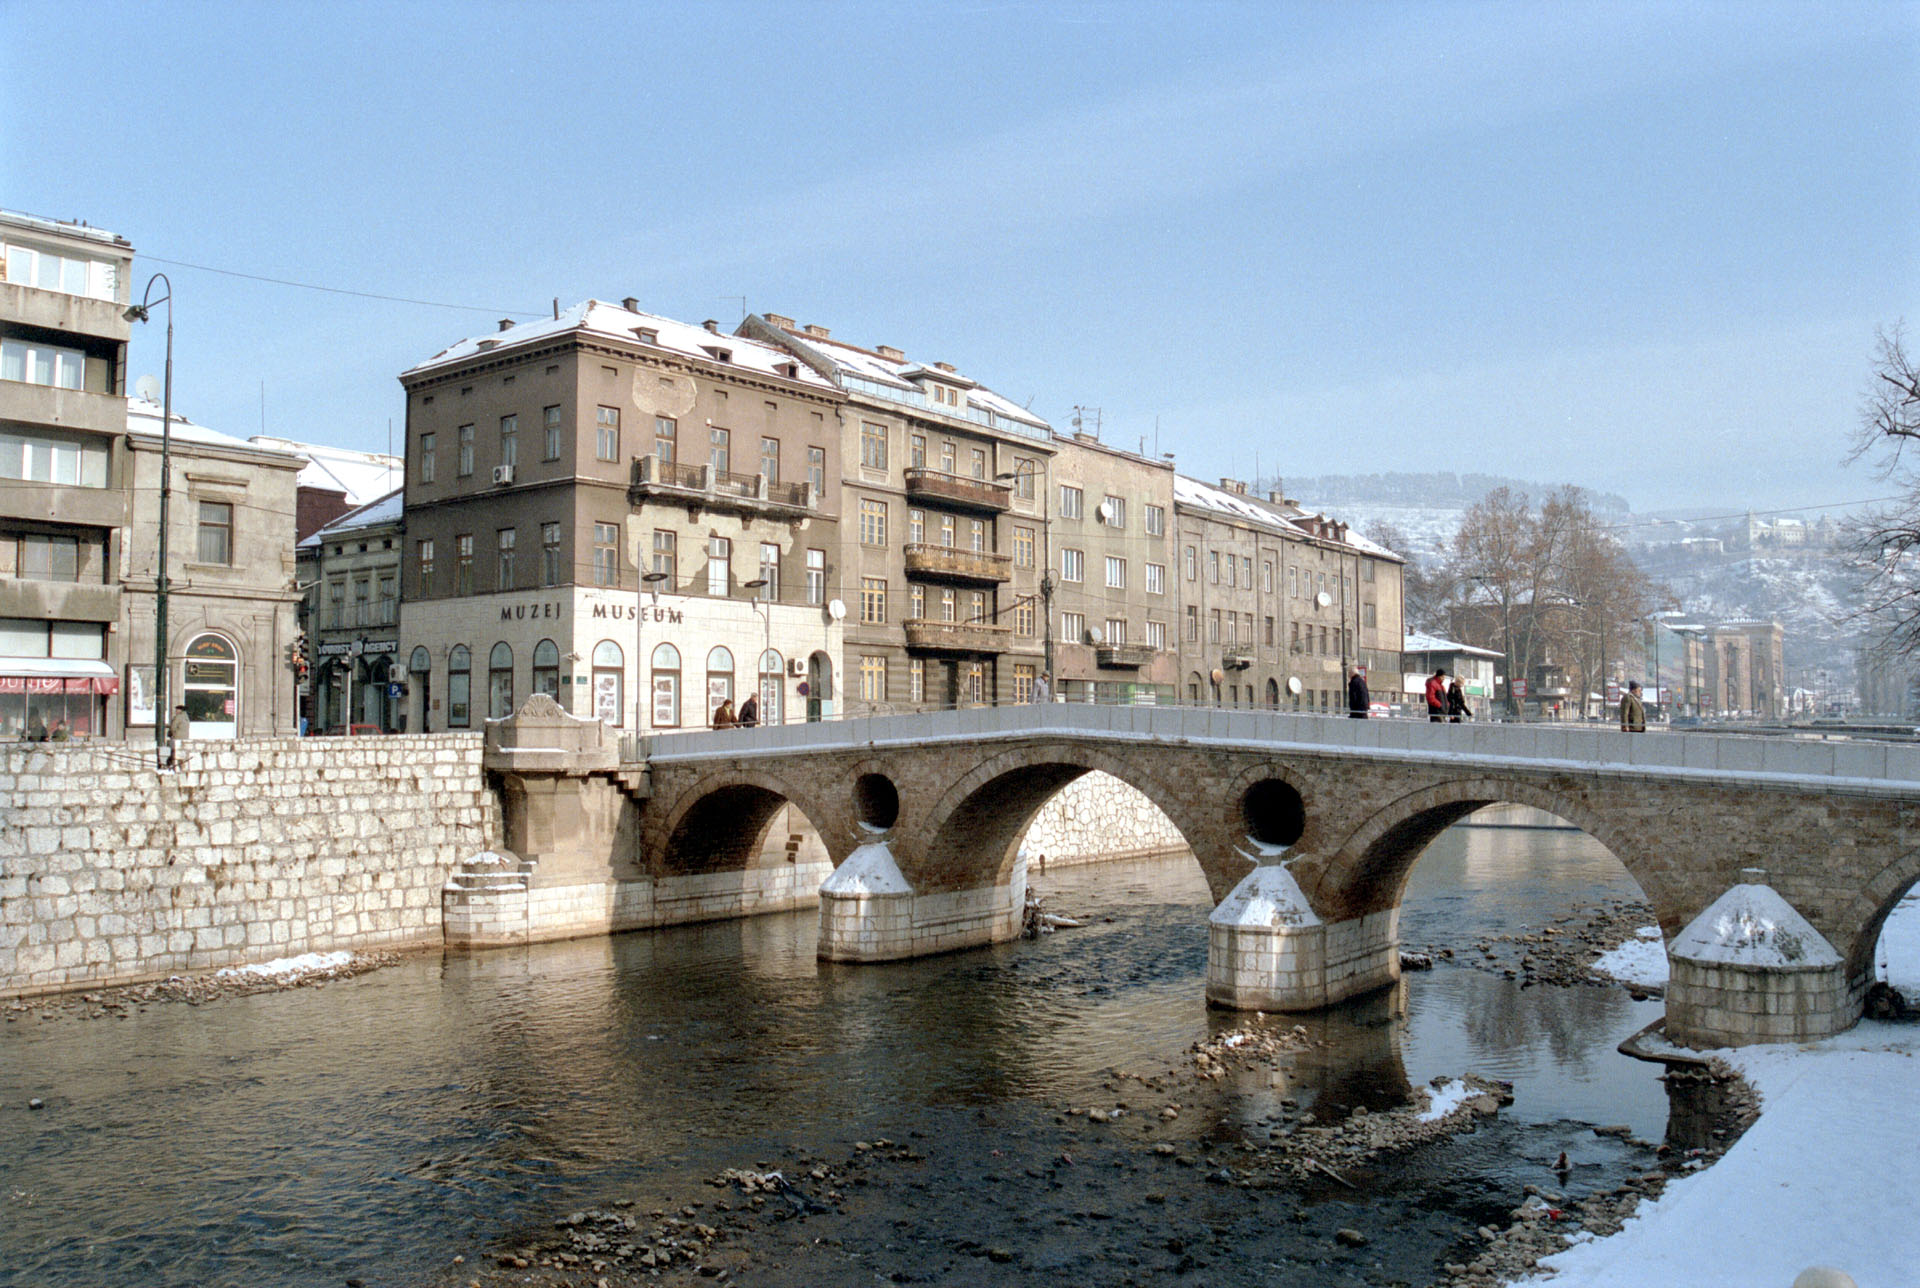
x=942, y=394
x=791, y=370
x=647, y=334
x=719, y=354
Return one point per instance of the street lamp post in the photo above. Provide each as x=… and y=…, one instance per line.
x=762, y=607
x=162, y=728
x=639, y=656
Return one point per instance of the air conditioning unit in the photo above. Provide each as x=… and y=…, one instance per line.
x=796, y=666
x=502, y=474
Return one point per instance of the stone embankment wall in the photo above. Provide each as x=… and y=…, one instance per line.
x=1097, y=817
x=113, y=871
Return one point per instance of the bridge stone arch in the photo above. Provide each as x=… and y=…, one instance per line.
x=718, y=823
x=1858, y=933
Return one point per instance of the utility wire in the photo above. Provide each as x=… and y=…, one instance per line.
x=340, y=290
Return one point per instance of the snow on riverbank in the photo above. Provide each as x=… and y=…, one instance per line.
x=1641, y=961
x=289, y=967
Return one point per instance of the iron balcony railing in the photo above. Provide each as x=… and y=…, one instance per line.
x=754, y=493
x=952, y=564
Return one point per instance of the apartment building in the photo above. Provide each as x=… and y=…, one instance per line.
x=1116, y=603
x=349, y=571
x=637, y=516
x=1276, y=601
x=944, y=487
x=63, y=499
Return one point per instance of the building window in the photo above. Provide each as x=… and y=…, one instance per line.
x=549, y=554
x=1156, y=579
x=773, y=688
x=67, y=274
x=916, y=602
x=917, y=451
x=1022, y=547
x=719, y=678
x=916, y=679
x=1116, y=631
x=873, y=678
x=719, y=566
x=606, y=554
x=463, y=564
x=1266, y=636
x=1073, y=627
x=546, y=668
x=948, y=605
x=1193, y=564
x=1116, y=573
x=1368, y=617
x=503, y=573
x=1213, y=567
x=606, y=438
x=216, y=533
x=666, y=556
x=459, y=687
x=1193, y=624
x=1070, y=501
x=1157, y=635
x=976, y=605
x=500, y=681
x=39, y=363
x=873, y=446
x=1232, y=636
x=817, y=472
x=1116, y=511
x=1213, y=626
x=873, y=523
x=666, y=435
x=1023, y=681
x=770, y=459
x=1233, y=578
x=46, y=558
x=1072, y=565
x=609, y=683
x=426, y=458
x=550, y=438
x=362, y=592
x=946, y=531
x=1293, y=583
x=464, y=438
x=873, y=601
x=1024, y=471
x=719, y=450
x=666, y=687
x=816, y=576
x=1156, y=520
x=509, y=441
x=1246, y=571
x=947, y=457
x=423, y=559
x=770, y=571
x=1023, y=616
x=979, y=463
x=1366, y=570
x=916, y=527
x=42, y=458
x=337, y=603
x=977, y=535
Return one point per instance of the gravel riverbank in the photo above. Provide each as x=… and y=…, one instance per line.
x=313, y=970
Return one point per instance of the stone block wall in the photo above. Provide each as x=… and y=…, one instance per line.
x=113, y=871
x=1715, y=1004
x=1097, y=817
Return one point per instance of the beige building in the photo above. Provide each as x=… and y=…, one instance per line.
x=63, y=477
x=552, y=464
x=1115, y=601
x=1276, y=602
x=944, y=488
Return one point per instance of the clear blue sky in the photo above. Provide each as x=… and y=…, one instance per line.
x=1636, y=247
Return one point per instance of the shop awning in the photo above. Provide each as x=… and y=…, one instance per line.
x=56, y=675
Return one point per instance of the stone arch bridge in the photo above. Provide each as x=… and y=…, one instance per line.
x=1770, y=863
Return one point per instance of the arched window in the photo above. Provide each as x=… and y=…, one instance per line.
x=773, y=687
x=719, y=679
x=609, y=683
x=1273, y=694
x=459, y=687
x=421, y=661
x=546, y=668
x=500, y=681
x=420, y=686
x=666, y=687
x=1193, y=686
x=210, y=687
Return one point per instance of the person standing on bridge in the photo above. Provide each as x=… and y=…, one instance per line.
x=1437, y=695
x=1359, y=701
x=1457, y=708
x=749, y=712
x=1633, y=712
x=723, y=715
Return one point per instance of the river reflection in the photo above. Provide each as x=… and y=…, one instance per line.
x=376, y=1126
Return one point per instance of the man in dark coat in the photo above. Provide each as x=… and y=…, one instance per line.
x=1633, y=712
x=749, y=712
x=1457, y=709
x=1358, y=699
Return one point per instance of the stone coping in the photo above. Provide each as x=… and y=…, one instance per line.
x=1873, y=767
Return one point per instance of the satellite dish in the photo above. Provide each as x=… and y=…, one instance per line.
x=1101, y=512
x=1293, y=684
x=1323, y=599
x=148, y=388
x=1093, y=635
x=1218, y=675
x=836, y=610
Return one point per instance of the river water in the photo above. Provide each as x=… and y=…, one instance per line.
x=376, y=1127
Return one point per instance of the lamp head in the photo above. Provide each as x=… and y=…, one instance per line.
x=134, y=313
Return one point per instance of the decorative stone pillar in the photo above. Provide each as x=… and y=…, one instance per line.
x=1751, y=969
x=870, y=911
x=1267, y=950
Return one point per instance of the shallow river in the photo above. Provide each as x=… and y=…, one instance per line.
x=376, y=1127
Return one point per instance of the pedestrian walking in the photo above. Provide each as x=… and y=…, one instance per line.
x=1359, y=701
x=1042, y=690
x=179, y=730
x=1437, y=695
x=1457, y=709
x=749, y=712
x=1633, y=712
x=723, y=717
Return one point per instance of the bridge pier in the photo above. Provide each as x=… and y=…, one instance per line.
x=870, y=912
x=1267, y=950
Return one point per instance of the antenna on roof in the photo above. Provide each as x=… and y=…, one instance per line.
x=556, y=308
x=743, y=304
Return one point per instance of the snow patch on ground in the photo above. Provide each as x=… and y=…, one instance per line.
x=1444, y=1099
x=1638, y=961
x=1898, y=958
x=288, y=967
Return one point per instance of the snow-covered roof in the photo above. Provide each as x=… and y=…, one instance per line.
x=1280, y=517
x=386, y=509
x=363, y=476
x=144, y=418
x=611, y=320
x=909, y=376
x=1420, y=642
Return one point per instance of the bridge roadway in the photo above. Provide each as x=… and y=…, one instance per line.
x=1307, y=828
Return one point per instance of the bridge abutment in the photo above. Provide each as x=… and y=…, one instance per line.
x=1267, y=950
x=871, y=912
x=1751, y=969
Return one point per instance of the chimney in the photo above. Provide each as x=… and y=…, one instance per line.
x=785, y=324
x=945, y=366
x=1234, y=486
x=630, y=304
x=712, y=325
x=817, y=331
x=889, y=352
x=506, y=324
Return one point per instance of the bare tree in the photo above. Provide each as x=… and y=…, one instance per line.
x=1887, y=540
x=1427, y=582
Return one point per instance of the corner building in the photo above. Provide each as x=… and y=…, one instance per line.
x=552, y=465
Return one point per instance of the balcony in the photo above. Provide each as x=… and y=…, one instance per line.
x=958, y=491
x=956, y=637
x=701, y=487
x=1129, y=657
x=947, y=563
x=1234, y=661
